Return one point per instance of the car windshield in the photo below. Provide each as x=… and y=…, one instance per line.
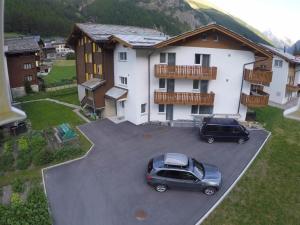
x=198, y=168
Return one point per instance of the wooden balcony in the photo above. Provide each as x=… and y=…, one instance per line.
x=258, y=76
x=292, y=88
x=184, y=98
x=255, y=99
x=186, y=72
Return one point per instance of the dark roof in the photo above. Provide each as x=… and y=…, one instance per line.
x=132, y=36
x=285, y=55
x=22, y=44
x=220, y=121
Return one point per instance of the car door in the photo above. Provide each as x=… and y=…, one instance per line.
x=189, y=181
x=168, y=177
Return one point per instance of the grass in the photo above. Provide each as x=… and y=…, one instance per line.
x=69, y=95
x=44, y=114
x=269, y=192
x=61, y=70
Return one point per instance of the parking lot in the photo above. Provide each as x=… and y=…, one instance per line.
x=108, y=187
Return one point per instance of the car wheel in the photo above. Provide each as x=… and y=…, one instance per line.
x=161, y=188
x=210, y=191
x=210, y=140
x=241, y=141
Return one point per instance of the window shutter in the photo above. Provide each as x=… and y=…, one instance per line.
x=94, y=47
x=95, y=68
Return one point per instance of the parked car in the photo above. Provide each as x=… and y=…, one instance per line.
x=223, y=129
x=175, y=170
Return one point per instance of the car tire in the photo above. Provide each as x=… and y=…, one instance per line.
x=210, y=140
x=210, y=191
x=241, y=141
x=161, y=188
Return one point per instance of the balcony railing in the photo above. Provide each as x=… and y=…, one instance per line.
x=293, y=88
x=255, y=99
x=186, y=72
x=184, y=98
x=258, y=76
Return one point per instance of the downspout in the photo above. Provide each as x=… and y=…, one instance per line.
x=149, y=86
x=244, y=67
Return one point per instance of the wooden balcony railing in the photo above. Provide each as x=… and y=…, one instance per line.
x=292, y=88
x=258, y=76
x=184, y=98
x=255, y=99
x=186, y=72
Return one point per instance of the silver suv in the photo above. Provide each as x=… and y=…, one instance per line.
x=175, y=170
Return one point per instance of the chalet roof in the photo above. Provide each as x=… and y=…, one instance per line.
x=93, y=83
x=130, y=35
x=285, y=55
x=216, y=27
x=22, y=44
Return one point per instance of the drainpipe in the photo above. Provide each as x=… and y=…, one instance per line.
x=241, y=91
x=149, y=80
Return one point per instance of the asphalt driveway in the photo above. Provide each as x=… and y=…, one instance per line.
x=108, y=187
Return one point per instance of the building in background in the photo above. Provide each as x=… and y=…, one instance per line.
x=142, y=75
x=23, y=59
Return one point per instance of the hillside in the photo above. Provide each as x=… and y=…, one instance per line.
x=56, y=17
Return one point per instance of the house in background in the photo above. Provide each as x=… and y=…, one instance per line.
x=23, y=56
x=60, y=46
x=142, y=75
x=285, y=86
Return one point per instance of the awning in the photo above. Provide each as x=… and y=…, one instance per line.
x=93, y=83
x=116, y=93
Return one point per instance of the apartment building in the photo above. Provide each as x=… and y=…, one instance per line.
x=285, y=85
x=23, y=56
x=142, y=75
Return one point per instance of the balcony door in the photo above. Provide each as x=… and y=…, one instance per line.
x=205, y=60
x=170, y=84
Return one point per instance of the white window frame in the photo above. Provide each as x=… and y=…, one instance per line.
x=278, y=63
x=162, y=88
x=120, y=54
x=166, y=58
x=164, y=112
x=145, y=110
x=123, y=80
x=27, y=66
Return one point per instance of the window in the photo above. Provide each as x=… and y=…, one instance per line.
x=278, y=63
x=186, y=176
x=161, y=108
x=143, y=108
x=201, y=85
x=216, y=37
x=204, y=37
x=96, y=48
x=163, y=58
x=123, y=80
x=28, y=78
x=198, y=59
x=162, y=83
x=169, y=174
x=196, y=84
x=201, y=109
x=123, y=56
x=27, y=66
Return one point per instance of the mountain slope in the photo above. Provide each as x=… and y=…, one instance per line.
x=56, y=17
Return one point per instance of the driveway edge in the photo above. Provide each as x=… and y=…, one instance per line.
x=67, y=162
x=234, y=183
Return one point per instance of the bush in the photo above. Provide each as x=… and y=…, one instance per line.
x=37, y=142
x=42, y=158
x=8, y=147
x=23, y=145
x=28, y=88
x=70, y=56
x=15, y=199
x=18, y=185
x=6, y=162
x=23, y=161
x=67, y=153
x=1, y=191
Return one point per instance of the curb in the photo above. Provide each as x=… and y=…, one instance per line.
x=234, y=183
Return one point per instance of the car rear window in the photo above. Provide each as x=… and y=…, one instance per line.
x=150, y=166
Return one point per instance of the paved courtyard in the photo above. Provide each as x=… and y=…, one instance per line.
x=108, y=187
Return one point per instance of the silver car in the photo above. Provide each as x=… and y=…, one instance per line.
x=175, y=170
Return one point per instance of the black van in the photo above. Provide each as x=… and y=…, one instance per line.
x=223, y=129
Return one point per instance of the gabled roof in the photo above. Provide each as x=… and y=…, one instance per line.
x=128, y=35
x=285, y=55
x=224, y=30
x=21, y=45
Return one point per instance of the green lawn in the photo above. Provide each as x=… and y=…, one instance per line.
x=44, y=114
x=269, y=193
x=69, y=95
x=62, y=70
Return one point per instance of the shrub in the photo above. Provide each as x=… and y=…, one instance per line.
x=23, y=161
x=67, y=153
x=18, y=185
x=6, y=162
x=70, y=56
x=27, y=86
x=8, y=147
x=37, y=142
x=1, y=191
x=23, y=145
x=42, y=158
x=15, y=199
